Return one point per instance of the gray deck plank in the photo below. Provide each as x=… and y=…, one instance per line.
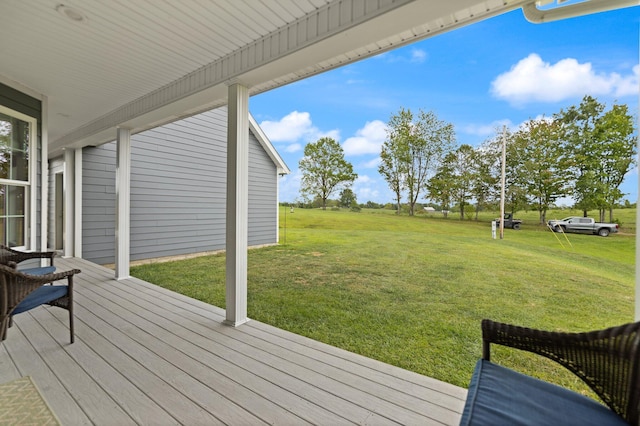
x=161, y=343
x=228, y=355
x=152, y=356
x=8, y=370
x=340, y=381
x=61, y=384
x=98, y=358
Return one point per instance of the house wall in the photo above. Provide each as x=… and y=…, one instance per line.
x=25, y=104
x=178, y=192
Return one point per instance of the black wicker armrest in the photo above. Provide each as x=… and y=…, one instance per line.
x=8, y=254
x=606, y=360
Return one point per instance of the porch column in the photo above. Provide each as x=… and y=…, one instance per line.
x=77, y=212
x=44, y=179
x=123, y=191
x=69, y=199
x=637, y=316
x=237, y=204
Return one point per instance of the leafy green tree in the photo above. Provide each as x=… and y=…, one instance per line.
x=457, y=167
x=486, y=176
x=543, y=172
x=603, y=149
x=413, y=150
x=392, y=162
x=515, y=185
x=616, y=132
x=324, y=170
x=347, y=198
x=441, y=186
x=578, y=125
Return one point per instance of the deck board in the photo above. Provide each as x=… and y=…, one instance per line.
x=146, y=355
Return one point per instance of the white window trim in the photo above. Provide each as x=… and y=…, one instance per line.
x=32, y=199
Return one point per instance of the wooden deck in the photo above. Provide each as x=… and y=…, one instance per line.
x=146, y=355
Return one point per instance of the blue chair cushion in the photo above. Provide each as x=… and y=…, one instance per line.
x=500, y=396
x=40, y=296
x=43, y=270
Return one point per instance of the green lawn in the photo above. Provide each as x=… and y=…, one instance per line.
x=411, y=291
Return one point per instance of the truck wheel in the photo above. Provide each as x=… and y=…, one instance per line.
x=516, y=226
x=603, y=232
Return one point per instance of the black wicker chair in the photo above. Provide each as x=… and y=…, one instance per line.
x=606, y=360
x=8, y=255
x=21, y=292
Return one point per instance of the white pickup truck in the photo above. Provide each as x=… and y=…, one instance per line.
x=584, y=225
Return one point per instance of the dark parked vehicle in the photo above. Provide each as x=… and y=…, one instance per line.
x=510, y=222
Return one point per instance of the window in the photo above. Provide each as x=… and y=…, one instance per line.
x=17, y=134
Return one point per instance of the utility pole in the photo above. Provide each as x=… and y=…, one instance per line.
x=502, y=179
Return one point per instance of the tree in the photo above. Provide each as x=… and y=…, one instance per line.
x=544, y=172
x=392, y=165
x=455, y=178
x=324, y=170
x=440, y=186
x=578, y=124
x=602, y=149
x=486, y=176
x=615, y=132
x=515, y=184
x=347, y=198
x=413, y=151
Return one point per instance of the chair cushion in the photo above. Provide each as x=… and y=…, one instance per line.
x=500, y=396
x=40, y=296
x=43, y=270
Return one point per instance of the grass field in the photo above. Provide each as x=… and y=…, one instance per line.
x=411, y=291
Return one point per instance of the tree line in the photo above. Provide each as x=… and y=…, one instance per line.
x=582, y=152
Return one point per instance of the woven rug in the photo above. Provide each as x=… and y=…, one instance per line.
x=22, y=404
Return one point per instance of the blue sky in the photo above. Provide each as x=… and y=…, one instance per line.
x=501, y=71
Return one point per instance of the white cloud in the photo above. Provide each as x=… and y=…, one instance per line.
x=372, y=164
x=333, y=134
x=366, y=189
x=368, y=140
x=294, y=147
x=295, y=127
x=629, y=85
x=418, y=56
x=485, y=130
x=289, y=129
x=533, y=80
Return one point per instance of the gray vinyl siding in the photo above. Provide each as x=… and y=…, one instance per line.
x=25, y=104
x=178, y=192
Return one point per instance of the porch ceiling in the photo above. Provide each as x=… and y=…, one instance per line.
x=142, y=63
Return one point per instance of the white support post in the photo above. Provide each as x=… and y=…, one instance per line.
x=278, y=207
x=237, y=204
x=44, y=178
x=123, y=191
x=69, y=198
x=637, y=314
x=77, y=212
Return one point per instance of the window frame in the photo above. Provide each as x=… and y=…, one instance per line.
x=31, y=199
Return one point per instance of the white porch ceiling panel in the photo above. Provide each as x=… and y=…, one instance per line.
x=142, y=63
